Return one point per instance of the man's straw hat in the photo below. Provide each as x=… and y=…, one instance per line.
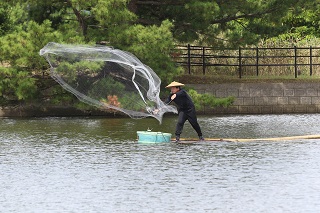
x=174, y=84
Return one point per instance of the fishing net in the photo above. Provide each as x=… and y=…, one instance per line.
x=107, y=78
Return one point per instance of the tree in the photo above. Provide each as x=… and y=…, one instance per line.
x=146, y=28
x=302, y=22
x=35, y=24
x=4, y=19
x=112, y=22
x=218, y=22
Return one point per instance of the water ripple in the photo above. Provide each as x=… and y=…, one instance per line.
x=94, y=165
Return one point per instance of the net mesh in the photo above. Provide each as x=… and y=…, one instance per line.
x=107, y=78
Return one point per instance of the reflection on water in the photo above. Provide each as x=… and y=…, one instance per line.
x=95, y=165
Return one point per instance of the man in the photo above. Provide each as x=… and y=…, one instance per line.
x=186, y=109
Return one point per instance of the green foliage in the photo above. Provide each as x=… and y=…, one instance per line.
x=72, y=70
x=110, y=86
x=39, y=11
x=21, y=48
x=26, y=88
x=112, y=13
x=152, y=45
x=17, y=85
x=208, y=100
x=4, y=19
x=302, y=22
x=127, y=100
x=132, y=101
x=59, y=96
x=16, y=14
x=220, y=23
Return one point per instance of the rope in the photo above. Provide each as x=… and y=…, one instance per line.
x=165, y=138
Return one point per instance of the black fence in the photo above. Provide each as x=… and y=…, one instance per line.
x=254, y=60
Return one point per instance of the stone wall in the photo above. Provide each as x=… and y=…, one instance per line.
x=264, y=98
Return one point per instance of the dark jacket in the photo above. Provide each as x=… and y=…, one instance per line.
x=183, y=100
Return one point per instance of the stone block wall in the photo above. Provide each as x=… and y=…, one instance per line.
x=264, y=98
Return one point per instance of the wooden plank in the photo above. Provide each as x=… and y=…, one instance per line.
x=194, y=140
x=198, y=141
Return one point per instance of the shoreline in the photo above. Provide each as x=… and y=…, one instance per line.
x=52, y=111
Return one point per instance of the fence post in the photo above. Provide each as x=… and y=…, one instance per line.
x=295, y=62
x=240, y=62
x=310, y=60
x=203, y=61
x=189, y=64
x=257, y=61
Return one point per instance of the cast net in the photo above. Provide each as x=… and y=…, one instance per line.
x=107, y=78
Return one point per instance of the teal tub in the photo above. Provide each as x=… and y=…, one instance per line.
x=153, y=137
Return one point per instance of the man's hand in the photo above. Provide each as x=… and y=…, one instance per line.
x=173, y=96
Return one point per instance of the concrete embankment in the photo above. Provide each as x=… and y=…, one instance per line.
x=264, y=98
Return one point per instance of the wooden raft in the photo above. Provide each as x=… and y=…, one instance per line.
x=194, y=140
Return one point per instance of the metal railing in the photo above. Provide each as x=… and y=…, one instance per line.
x=243, y=58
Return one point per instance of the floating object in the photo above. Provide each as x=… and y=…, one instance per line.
x=287, y=138
x=153, y=137
x=159, y=137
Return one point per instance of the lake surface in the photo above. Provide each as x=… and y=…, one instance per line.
x=95, y=165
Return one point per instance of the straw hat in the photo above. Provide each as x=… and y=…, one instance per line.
x=174, y=84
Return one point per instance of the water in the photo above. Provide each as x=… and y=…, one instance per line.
x=95, y=165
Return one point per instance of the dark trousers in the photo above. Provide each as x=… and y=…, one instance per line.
x=189, y=115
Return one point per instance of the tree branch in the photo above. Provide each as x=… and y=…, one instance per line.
x=249, y=15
